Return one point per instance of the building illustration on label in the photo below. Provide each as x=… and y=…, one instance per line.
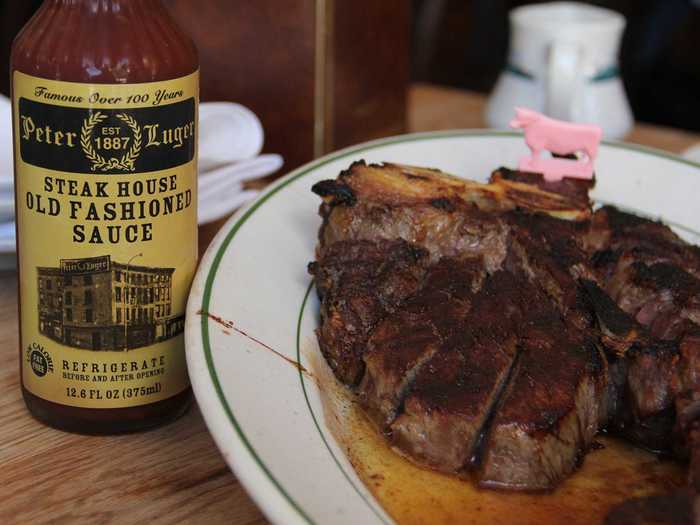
x=99, y=304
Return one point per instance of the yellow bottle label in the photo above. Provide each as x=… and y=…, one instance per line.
x=106, y=184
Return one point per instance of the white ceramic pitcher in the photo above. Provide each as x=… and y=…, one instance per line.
x=563, y=61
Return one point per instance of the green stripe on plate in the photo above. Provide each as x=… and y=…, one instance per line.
x=608, y=73
x=313, y=414
x=242, y=217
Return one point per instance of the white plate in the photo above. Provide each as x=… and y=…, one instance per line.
x=265, y=416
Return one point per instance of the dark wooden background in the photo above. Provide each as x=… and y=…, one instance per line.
x=261, y=54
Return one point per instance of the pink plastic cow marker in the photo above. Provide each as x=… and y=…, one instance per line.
x=562, y=138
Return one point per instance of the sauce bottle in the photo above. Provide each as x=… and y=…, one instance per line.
x=105, y=105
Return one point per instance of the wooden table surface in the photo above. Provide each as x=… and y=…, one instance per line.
x=172, y=474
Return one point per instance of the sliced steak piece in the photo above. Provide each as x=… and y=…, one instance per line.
x=649, y=241
x=660, y=296
x=692, y=439
x=405, y=340
x=450, y=402
x=619, y=332
x=664, y=377
x=682, y=506
x=687, y=403
x=653, y=276
x=647, y=374
x=674, y=298
x=686, y=433
x=453, y=394
x=546, y=249
x=651, y=377
x=359, y=282
x=559, y=238
x=620, y=335
x=398, y=348
x=648, y=270
x=647, y=412
x=688, y=373
x=549, y=413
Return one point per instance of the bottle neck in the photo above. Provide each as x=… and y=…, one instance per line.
x=104, y=41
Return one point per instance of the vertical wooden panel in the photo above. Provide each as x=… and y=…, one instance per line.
x=370, y=49
x=259, y=53
x=266, y=54
x=326, y=83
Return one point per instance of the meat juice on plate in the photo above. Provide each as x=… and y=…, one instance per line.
x=411, y=494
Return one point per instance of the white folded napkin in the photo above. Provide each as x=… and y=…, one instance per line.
x=220, y=206
x=228, y=133
x=221, y=190
x=219, y=180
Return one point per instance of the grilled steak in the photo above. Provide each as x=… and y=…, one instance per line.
x=491, y=330
x=445, y=215
x=643, y=384
x=450, y=399
x=653, y=276
x=548, y=416
x=359, y=283
x=405, y=340
x=648, y=270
